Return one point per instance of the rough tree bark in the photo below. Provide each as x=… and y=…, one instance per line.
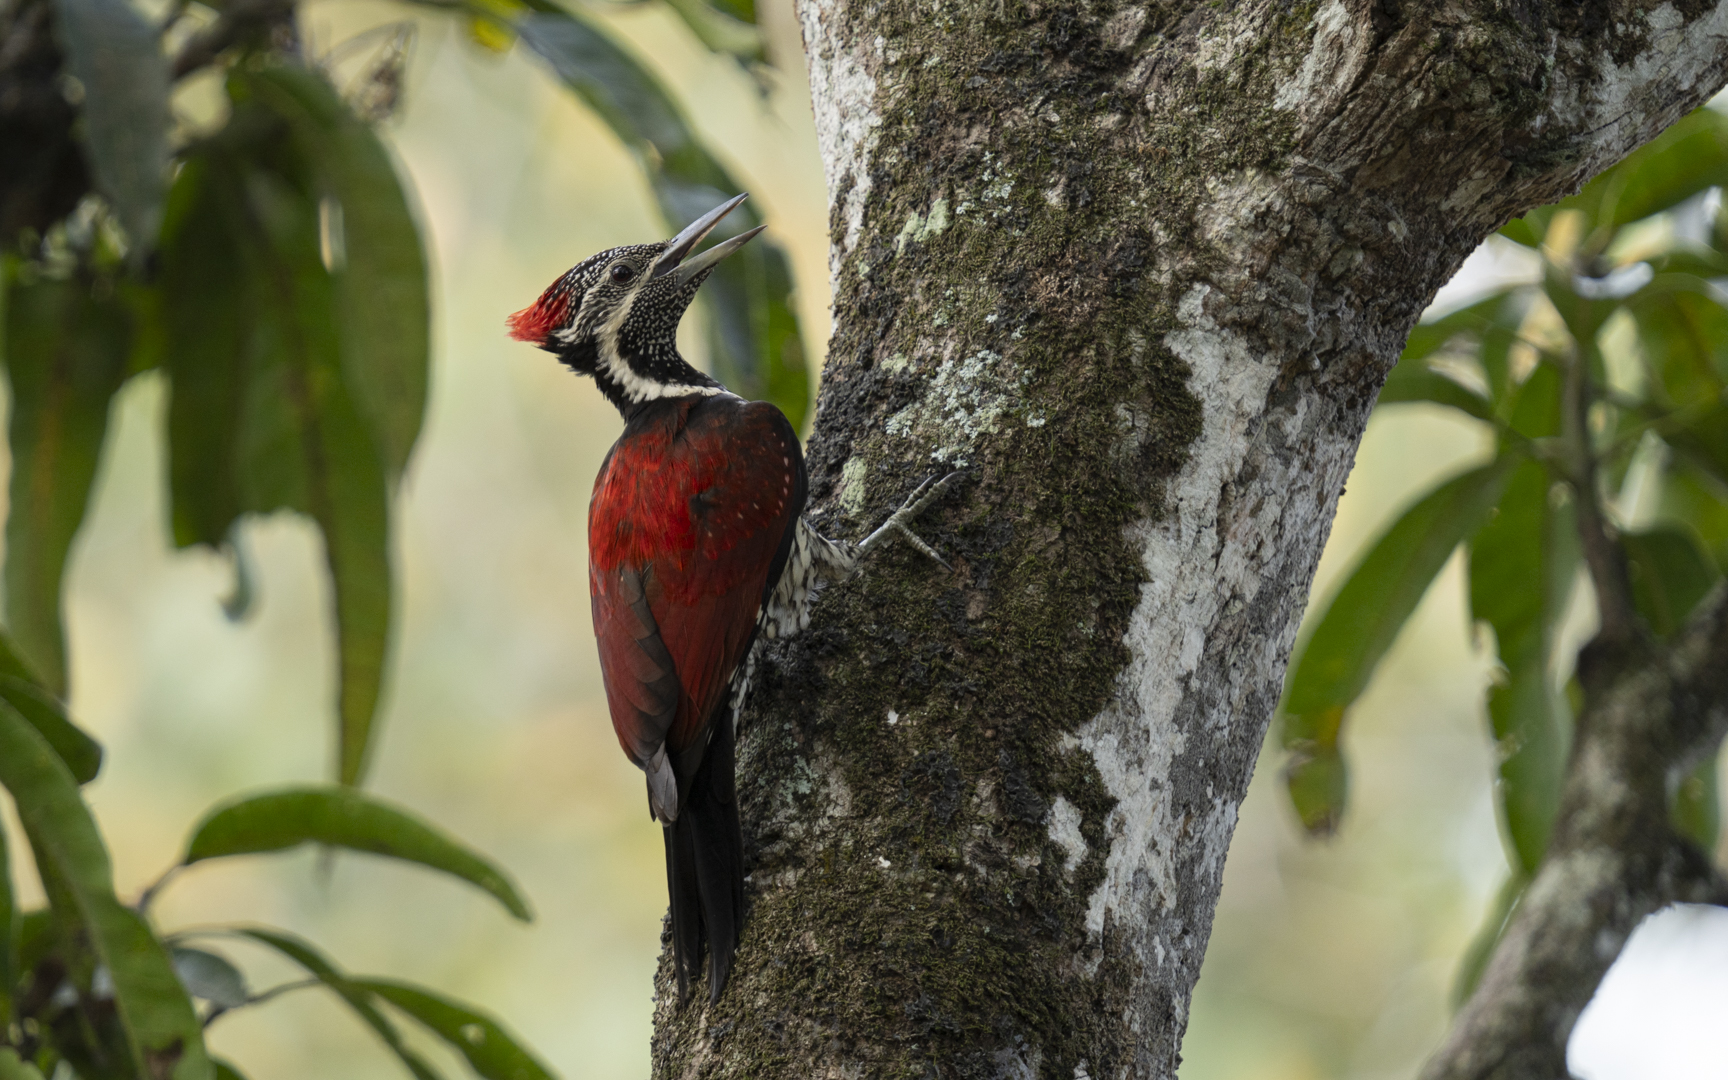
x=1140, y=269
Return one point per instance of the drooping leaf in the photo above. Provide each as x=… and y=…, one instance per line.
x=493, y=1051
x=753, y=334
x=1363, y=619
x=113, y=52
x=343, y=817
x=1412, y=380
x=356, y=996
x=380, y=283
x=65, y=352
x=1696, y=808
x=1669, y=575
x=1488, y=326
x=263, y=415
x=1382, y=591
x=160, y=1026
x=1522, y=566
x=1487, y=939
x=20, y=685
x=209, y=976
x=81, y=753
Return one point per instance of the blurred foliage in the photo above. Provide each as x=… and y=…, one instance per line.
x=274, y=270
x=1605, y=381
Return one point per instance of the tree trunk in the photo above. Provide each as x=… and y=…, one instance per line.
x=1140, y=271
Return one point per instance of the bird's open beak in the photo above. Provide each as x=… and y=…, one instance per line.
x=672, y=261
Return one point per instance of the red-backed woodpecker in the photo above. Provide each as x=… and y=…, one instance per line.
x=697, y=551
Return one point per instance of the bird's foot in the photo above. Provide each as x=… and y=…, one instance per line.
x=928, y=492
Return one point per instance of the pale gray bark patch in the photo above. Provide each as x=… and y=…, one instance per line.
x=844, y=95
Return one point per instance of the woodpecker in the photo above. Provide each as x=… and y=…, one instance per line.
x=698, y=552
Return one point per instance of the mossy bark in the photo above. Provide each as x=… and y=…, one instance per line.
x=1140, y=271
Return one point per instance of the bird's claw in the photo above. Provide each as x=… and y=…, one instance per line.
x=918, y=542
x=925, y=494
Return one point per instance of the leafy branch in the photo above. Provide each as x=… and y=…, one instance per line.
x=1602, y=821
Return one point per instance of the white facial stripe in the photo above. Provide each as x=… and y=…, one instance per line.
x=612, y=363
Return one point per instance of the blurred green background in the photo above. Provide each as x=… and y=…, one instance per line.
x=1329, y=959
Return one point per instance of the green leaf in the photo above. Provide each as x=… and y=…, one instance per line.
x=343, y=817
x=1520, y=231
x=1412, y=380
x=1534, y=406
x=1489, y=326
x=1365, y=616
x=1522, y=567
x=357, y=997
x=1701, y=439
x=226, y=1071
x=20, y=686
x=1583, y=315
x=1696, y=808
x=81, y=753
x=1683, y=340
x=159, y=1023
x=753, y=334
x=9, y=933
x=12, y=1067
x=492, y=1050
x=1694, y=499
x=1363, y=620
x=1317, y=777
x=263, y=415
x=1487, y=939
x=381, y=294
x=113, y=52
x=211, y=977
x=65, y=357
x=722, y=31
x=1669, y=575
x=36, y=937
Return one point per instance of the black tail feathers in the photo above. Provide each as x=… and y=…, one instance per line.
x=705, y=869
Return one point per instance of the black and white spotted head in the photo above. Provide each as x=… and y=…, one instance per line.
x=615, y=315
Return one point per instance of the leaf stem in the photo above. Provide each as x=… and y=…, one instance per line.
x=216, y=1013
x=145, y=898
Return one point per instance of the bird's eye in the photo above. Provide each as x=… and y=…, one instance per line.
x=622, y=274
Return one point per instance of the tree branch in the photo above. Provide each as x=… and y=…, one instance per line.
x=1620, y=626
x=1614, y=858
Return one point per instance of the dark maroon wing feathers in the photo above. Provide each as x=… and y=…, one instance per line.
x=642, y=688
x=695, y=508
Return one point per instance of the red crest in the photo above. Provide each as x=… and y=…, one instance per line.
x=534, y=322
